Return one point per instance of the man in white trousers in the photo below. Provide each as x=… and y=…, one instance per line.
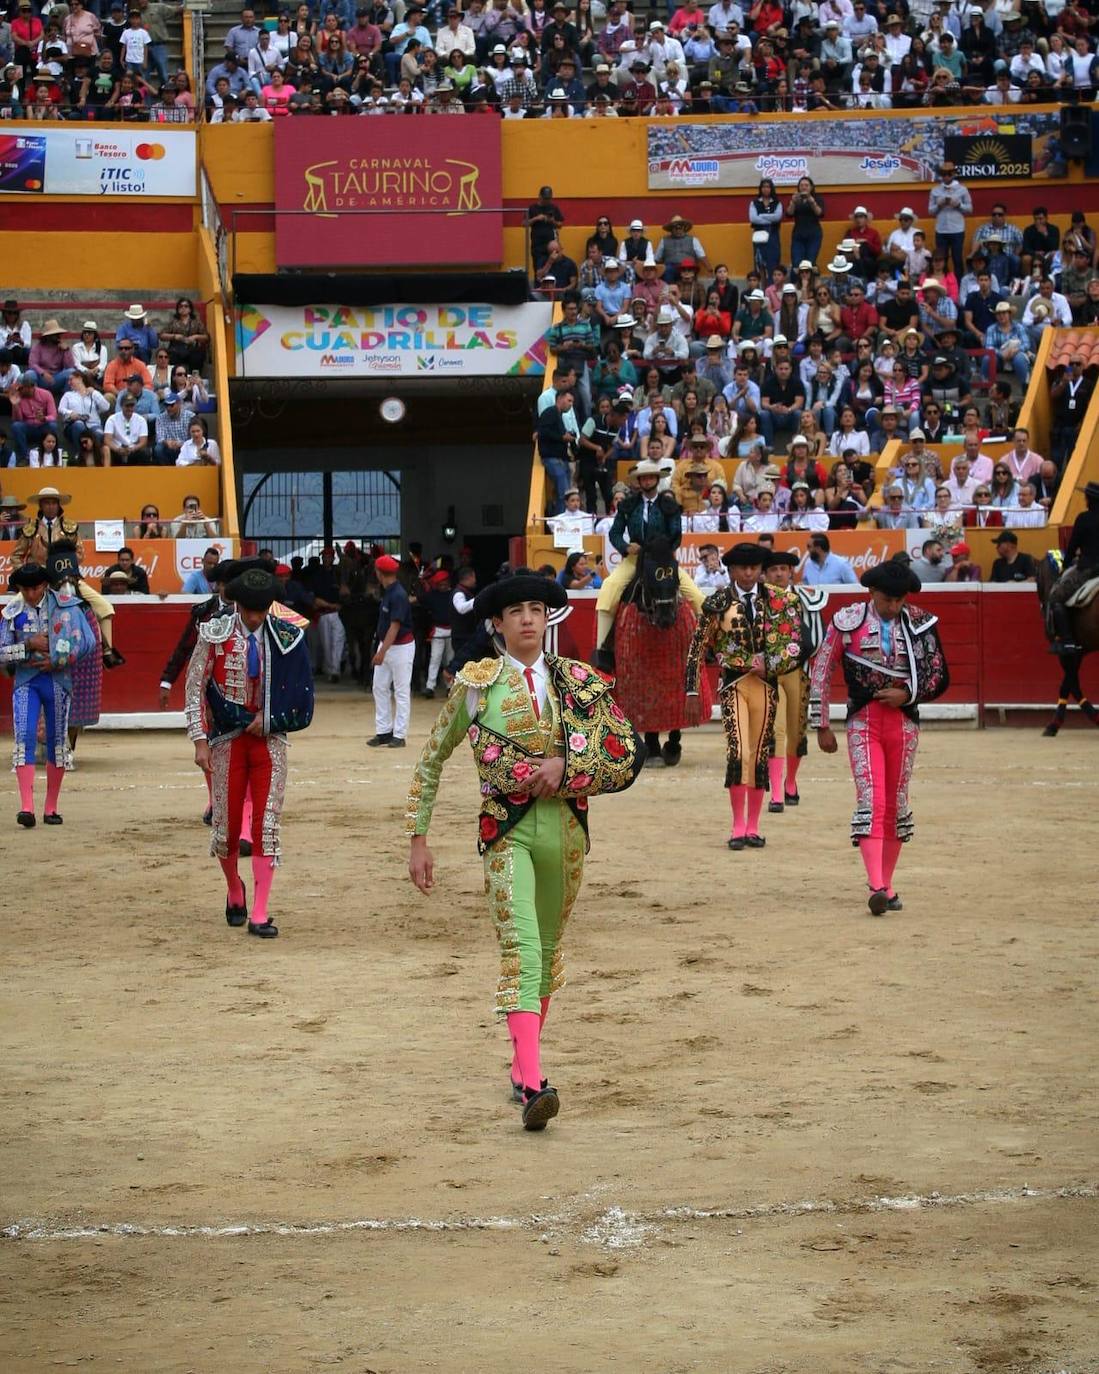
x=393, y=657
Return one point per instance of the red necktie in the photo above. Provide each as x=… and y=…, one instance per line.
x=528, y=673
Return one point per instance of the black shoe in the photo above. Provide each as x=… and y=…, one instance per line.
x=754, y=841
x=236, y=915
x=540, y=1109
x=894, y=903
x=52, y=818
x=396, y=743
x=878, y=902
x=266, y=930
x=208, y=816
x=671, y=754
x=737, y=842
x=378, y=740
x=245, y=849
x=791, y=799
x=428, y=694
x=775, y=808
x=26, y=819
x=333, y=678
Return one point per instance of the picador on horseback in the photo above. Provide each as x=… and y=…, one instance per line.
x=652, y=606
x=1081, y=565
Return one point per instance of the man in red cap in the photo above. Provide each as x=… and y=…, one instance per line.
x=394, y=653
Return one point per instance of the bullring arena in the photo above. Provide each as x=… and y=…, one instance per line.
x=792, y=1138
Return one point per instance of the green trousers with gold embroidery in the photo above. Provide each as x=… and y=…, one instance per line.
x=532, y=877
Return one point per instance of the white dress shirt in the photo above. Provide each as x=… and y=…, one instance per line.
x=537, y=671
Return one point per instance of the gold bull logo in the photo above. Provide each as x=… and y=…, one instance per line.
x=419, y=187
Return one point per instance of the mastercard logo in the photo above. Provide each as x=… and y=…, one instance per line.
x=149, y=152
x=32, y=185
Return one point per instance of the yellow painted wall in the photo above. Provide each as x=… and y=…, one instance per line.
x=582, y=159
x=120, y=493
x=91, y=261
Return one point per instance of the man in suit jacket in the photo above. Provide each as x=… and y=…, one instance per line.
x=641, y=517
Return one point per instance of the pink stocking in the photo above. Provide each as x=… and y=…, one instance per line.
x=890, y=853
x=738, y=798
x=793, y=763
x=774, y=770
x=233, y=884
x=523, y=1027
x=516, y=1077
x=54, y=778
x=871, y=851
x=24, y=775
x=263, y=875
x=755, y=806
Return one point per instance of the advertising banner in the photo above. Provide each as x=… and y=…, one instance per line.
x=984, y=157
x=75, y=161
x=864, y=148
x=393, y=340
x=862, y=548
x=388, y=192
x=166, y=561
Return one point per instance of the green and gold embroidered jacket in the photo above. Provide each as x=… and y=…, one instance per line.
x=774, y=634
x=491, y=706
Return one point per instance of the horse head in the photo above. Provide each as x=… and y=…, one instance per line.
x=657, y=587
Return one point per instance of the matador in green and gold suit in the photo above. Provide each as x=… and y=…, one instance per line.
x=522, y=714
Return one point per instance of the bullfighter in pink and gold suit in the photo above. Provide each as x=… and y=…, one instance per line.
x=892, y=661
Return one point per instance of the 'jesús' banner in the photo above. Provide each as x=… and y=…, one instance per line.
x=392, y=340
x=74, y=161
x=864, y=146
x=388, y=192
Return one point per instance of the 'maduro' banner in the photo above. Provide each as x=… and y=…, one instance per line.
x=388, y=192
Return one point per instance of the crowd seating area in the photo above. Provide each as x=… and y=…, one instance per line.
x=769, y=394
x=592, y=60
x=103, y=384
x=543, y=60
x=94, y=60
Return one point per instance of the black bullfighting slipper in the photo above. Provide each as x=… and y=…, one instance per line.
x=775, y=808
x=208, y=816
x=52, y=818
x=878, y=902
x=377, y=741
x=791, y=799
x=894, y=903
x=265, y=930
x=541, y=1107
x=737, y=842
x=671, y=753
x=754, y=841
x=236, y=915
x=26, y=819
x=245, y=849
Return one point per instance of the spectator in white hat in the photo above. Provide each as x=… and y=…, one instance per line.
x=635, y=247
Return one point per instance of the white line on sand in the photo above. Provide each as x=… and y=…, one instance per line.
x=615, y=1228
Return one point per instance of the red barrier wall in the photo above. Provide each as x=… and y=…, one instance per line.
x=992, y=635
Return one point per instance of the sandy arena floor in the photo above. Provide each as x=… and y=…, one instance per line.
x=793, y=1138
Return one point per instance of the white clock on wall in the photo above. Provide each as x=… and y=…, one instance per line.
x=392, y=409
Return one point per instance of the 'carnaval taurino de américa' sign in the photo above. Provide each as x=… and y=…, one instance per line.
x=377, y=193
x=986, y=157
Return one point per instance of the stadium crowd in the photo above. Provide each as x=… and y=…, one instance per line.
x=79, y=403
x=540, y=60
x=767, y=398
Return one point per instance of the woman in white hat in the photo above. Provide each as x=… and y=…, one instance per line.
x=90, y=355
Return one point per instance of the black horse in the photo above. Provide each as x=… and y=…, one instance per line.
x=1085, y=629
